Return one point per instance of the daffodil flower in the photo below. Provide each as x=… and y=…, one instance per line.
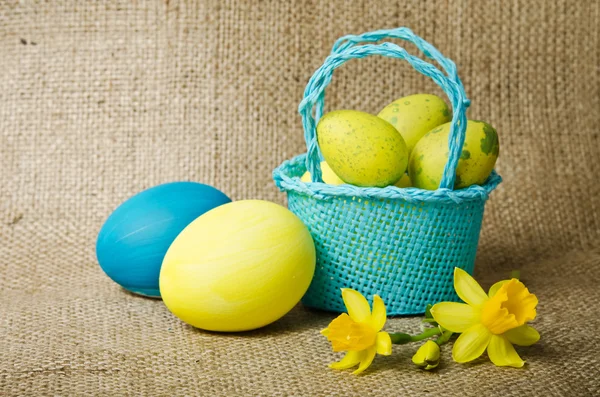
x=359, y=332
x=493, y=321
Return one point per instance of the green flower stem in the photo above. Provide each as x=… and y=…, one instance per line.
x=444, y=337
x=401, y=339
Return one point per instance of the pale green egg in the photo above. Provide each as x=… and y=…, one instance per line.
x=415, y=115
x=477, y=159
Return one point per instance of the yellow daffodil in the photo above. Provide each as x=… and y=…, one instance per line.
x=359, y=332
x=493, y=321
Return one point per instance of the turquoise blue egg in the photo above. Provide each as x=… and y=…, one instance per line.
x=136, y=236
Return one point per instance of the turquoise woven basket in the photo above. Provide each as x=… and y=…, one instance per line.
x=402, y=244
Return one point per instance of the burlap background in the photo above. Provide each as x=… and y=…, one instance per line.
x=99, y=100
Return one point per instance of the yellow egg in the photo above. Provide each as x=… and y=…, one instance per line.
x=415, y=115
x=404, y=181
x=476, y=162
x=238, y=267
x=329, y=177
x=362, y=149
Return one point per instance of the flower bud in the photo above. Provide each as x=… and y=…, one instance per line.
x=428, y=355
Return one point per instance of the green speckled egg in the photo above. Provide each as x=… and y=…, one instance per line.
x=415, y=115
x=476, y=162
x=362, y=149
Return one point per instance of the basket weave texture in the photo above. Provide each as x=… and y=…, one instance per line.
x=402, y=244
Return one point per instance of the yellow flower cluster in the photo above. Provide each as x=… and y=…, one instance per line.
x=493, y=322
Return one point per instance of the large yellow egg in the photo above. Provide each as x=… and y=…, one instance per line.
x=238, y=267
x=329, y=177
x=362, y=149
x=415, y=115
x=477, y=159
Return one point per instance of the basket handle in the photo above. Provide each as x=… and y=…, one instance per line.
x=347, y=48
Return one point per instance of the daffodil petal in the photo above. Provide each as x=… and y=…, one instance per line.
x=357, y=305
x=468, y=289
x=471, y=344
x=455, y=317
x=502, y=353
x=379, y=315
x=350, y=360
x=325, y=332
x=523, y=335
x=367, y=359
x=384, y=344
x=494, y=288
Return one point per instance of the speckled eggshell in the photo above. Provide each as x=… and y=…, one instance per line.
x=477, y=159
x=362, y=149
x=415, y=115
x=134, y=239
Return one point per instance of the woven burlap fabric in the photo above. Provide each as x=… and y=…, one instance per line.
x=99, y=100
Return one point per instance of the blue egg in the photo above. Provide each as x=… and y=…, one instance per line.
x=134, y=239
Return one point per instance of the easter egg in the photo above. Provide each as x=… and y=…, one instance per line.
x=238, y=267
x=134, y=239
x=362, y=149
x=329, y=177
x=404, y=181
x=415, y=115
x=476, y=162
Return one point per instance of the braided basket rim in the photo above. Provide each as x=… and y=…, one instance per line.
x=286, y=182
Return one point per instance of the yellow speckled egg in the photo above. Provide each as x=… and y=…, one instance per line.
x=415, y=115
x=329, y=177
x=362, y=149
x=476, y=162
x=238, y=267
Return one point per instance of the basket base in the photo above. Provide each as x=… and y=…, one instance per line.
x=404, y=252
